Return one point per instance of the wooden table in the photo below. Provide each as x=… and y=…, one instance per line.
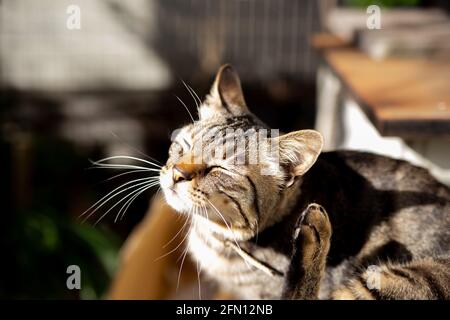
x=402, y=97
x=399, y=107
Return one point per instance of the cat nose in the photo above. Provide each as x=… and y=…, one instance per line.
x=186, y=171
x=180, y=174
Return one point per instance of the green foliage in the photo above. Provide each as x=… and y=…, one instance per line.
x=44, y=244
x=39, y=239
x=382, y=3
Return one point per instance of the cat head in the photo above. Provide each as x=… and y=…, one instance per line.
x=229, y=170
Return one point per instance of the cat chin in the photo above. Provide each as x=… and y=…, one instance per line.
x=172, y=200
x=239, y=234
x=218, y=227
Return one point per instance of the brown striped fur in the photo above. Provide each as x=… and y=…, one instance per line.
x=325, y=223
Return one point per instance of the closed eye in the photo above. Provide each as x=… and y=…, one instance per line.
x=188, y=145
x=218, y=168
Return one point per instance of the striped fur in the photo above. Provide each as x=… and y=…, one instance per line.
x=337, y=225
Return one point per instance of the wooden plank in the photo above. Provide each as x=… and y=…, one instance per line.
x=402, y=97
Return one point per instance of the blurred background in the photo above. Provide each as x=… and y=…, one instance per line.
x=110, y=88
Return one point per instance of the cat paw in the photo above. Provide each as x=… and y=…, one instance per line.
x=313, y=232
x=312, y=236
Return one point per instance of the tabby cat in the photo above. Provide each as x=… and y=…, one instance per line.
x=332, y=225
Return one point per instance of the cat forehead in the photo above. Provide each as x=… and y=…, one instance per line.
x=230, y=126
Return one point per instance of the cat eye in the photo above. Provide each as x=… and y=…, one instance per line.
x=215, y=168
x=208, y=170
x=188, y=145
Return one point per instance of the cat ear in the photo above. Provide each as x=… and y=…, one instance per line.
x=299, y=150
x=226, y=94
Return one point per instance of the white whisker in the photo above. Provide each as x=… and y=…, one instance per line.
x=130, y=196
x=130, y=201
x=128, y=157
x=179, y=245
x=117, y=203
x=197, y=212
x=125, y=173
x=121, y=166
x=184, y=256
x=181, y=267
x=133, y=148
x=193, y=94
x=176, y=235
x=104, y=197
x=234, y=238
x=187, y=109
x=223, y=219
x=195, y=100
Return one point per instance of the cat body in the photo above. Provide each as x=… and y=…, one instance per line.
x=305, y=224
x=379, y=212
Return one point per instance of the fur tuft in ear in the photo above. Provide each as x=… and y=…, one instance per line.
x=226, y=94
x=300, y=149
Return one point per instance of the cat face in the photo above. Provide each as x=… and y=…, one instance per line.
x=229, y=170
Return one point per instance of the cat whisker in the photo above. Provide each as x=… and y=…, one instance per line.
x=223, y=219
x=234, y=238
x=184, y=252
x=128, y=157
x=198, y=211
x=220, y=215
x=181, y=266
x=206, y=214
x=187, y=109
x=193, y=94
x=205, y=210
x=130, y=196
x=120, y=201
x=129, y=172
x=121, y=166
x=130, y=201
x=112, y=192
x=198, y=99
x=135, y=149
x=174, y=249
x=199, y=270
x=110, y=198
x=189, y=91
x=176, y=235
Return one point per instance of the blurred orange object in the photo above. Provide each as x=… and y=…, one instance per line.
x=148, y=269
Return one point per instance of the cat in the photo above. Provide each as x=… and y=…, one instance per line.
x=320, y=225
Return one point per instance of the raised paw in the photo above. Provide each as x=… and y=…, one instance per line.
x=312, y=236
x=312, y=233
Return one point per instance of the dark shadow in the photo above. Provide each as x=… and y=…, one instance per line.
x=393, y=251
x=355, y=207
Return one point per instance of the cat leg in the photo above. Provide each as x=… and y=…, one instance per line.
x=427, y=278
x=311, y=244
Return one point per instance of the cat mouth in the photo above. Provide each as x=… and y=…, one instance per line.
x=216, y=222
x=213, y=218
x=210, y=213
